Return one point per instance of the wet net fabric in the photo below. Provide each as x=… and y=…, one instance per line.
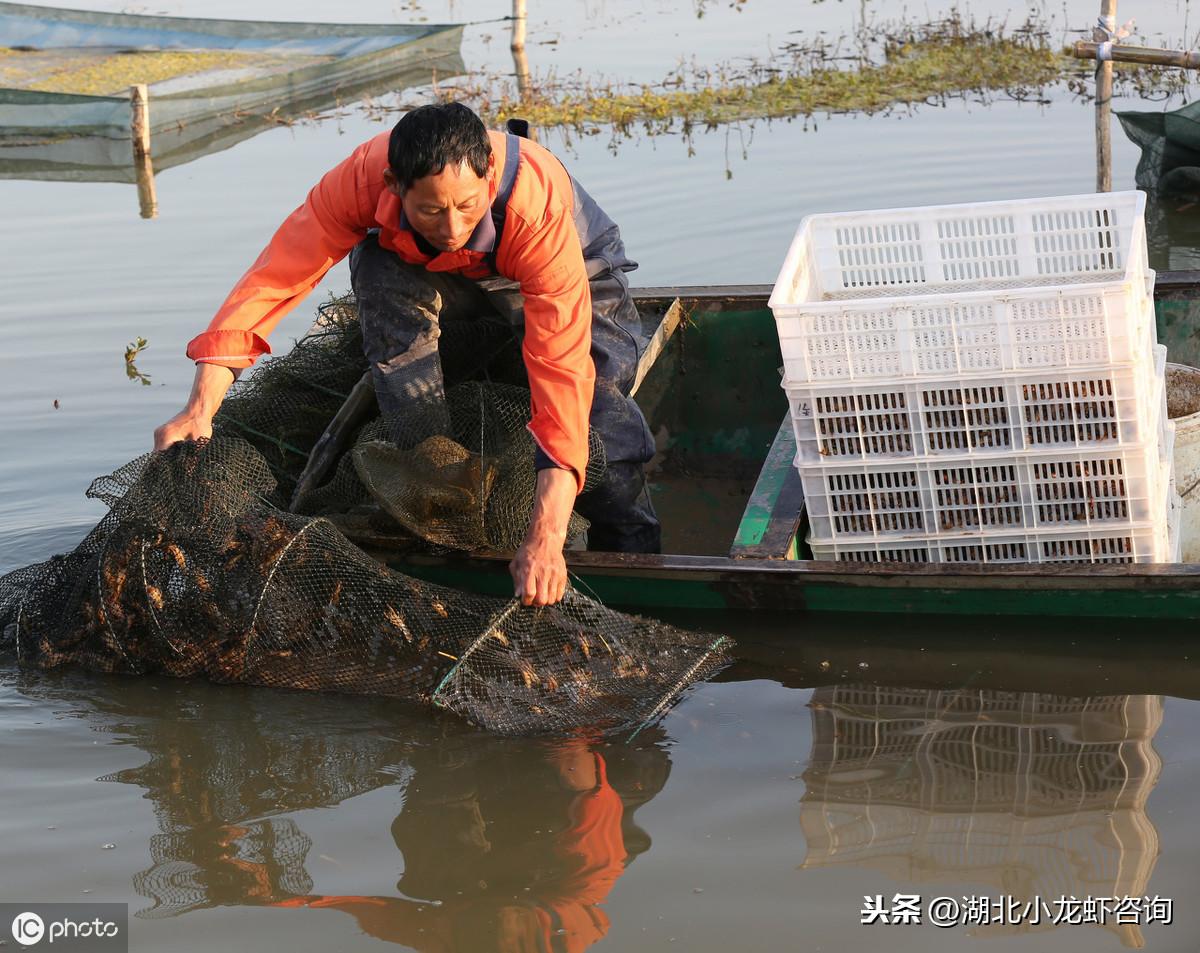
x=284, y=406
x=196, y=572
x=454, y=473
x=457, y=473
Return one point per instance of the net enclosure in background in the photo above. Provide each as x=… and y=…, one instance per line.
x=67, y=72
x=65, y=79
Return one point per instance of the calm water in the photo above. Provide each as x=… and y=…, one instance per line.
x=839, y=758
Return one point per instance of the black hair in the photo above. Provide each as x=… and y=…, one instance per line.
x=432, y=137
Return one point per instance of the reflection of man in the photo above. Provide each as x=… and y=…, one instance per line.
x=505, y=842
x=434, y=213
x=493, y=892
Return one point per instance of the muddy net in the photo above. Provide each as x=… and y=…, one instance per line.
x=195, y=571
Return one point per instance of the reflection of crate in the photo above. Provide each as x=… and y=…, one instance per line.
x=985, y=750
x=1069, y=409
x=1030, y=795
x=964, y=289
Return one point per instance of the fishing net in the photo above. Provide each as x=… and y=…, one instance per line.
x=195, y=571
x=285, y=405
x=1170, y=144
x=455, y=473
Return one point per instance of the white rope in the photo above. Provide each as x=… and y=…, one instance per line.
x=1106, y=33
x=20, y=611
x=678, y=687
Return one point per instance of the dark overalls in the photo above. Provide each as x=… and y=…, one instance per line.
x=404, y=310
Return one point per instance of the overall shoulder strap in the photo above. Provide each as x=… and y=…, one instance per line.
x=512, y=158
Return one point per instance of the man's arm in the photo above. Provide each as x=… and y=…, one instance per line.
x=539, y=570
x=194, y=422
x=321, y=232
x=547, y=260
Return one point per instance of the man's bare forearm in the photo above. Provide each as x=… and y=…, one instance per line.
x=539, y=570
x=209, y=387
x=552, y=505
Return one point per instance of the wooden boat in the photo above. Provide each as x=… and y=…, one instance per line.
x=733, y=509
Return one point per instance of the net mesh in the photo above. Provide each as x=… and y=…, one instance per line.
x=196, y=571
x=285, y=405
x=453, y=473
x=1170, y=144
x=457, y=473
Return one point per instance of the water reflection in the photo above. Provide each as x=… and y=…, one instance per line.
x=1173, y=232
x=1032, y=795
x=505, y=844
x=515, y=855
x=98, y=158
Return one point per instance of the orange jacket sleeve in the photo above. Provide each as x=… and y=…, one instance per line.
x=314, y=238
x=545, y=257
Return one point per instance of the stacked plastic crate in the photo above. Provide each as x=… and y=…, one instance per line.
x=979, y=383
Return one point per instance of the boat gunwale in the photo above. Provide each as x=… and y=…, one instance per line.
x=1100, y=576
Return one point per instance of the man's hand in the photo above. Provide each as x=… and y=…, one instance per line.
x=539, y=570
x=183, y=426
x=195, y=420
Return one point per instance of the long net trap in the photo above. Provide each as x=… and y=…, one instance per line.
x=198, y=569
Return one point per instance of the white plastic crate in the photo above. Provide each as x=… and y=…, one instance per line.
x=1132, y=544
x=965, y=289
x=949, y=335
x=1065, y=410
x=1074, y=491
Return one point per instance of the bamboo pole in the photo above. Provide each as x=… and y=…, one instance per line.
x=1104, y=86
x=1187, y=59
x=521, y=66
x=139, y=128
x=139, y=100
x=518, y=30
x=520, y=60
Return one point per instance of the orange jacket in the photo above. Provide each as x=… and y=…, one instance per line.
x=539, y=248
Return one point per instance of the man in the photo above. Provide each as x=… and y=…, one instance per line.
x=444, y=220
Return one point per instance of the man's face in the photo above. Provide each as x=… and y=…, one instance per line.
x=444, y=208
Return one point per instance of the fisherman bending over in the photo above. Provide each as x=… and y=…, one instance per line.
x=445, y=221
